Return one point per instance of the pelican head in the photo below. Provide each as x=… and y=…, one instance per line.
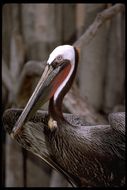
x=64, y=52
x=58, y=71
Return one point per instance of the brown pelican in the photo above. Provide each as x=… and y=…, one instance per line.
x=90, y=155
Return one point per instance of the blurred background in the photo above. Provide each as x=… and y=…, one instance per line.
x=29, y=33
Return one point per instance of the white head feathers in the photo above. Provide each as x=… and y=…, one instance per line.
x=66, y=51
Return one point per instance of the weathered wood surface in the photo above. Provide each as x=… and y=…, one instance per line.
x=14, y=163
x=99, y=21
x=94, y=56
x=114, y=91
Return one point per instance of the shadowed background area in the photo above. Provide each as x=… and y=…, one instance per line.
x=29, y=33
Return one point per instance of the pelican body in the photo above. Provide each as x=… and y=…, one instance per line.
x=91, y=155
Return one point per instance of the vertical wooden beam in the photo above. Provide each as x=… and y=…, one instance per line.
x=93, y=61
x=115, y=71
x=14, y=169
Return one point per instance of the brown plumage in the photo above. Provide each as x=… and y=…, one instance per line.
x=87, y=155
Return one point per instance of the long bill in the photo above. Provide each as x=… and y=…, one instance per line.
x=36, y=100
x=45, y=89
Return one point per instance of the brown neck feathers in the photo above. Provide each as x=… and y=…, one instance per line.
x=55, y=107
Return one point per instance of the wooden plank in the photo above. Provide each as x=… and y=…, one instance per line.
x=14, y=167
x=114, y=92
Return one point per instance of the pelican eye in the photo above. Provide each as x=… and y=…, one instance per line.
x=57, y=61
x=59, y=58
